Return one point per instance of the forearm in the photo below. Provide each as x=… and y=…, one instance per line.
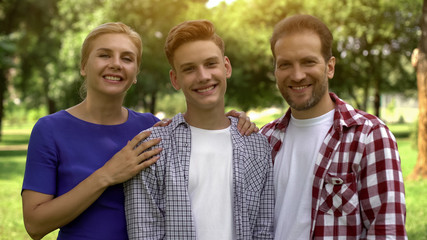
x=265, y=221
x=43, y=213
x=144, y=212
x=384, y=207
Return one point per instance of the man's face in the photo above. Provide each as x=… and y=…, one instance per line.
x=301, y=71
x=201, y=71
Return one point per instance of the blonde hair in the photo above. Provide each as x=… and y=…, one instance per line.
x=106, y=28
x=111, y=27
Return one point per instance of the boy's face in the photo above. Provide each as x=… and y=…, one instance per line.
x=201, y=71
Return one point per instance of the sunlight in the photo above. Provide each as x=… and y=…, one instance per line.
x=214, y=3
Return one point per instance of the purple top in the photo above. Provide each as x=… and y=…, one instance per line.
x=64, y=150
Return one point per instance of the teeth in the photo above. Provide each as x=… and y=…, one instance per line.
x=205, y=90
x=299, y=88
x=112, y=78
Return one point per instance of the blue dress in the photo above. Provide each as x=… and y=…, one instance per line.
x=64, y=150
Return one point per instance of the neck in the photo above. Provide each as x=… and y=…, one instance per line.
x=323, y=106
x=105, y=112
x=207, y=119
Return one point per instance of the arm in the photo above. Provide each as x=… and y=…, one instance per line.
x=264, y=228
x=44, y=213
x=144, y=203
x=382, y=195
x=245, y=126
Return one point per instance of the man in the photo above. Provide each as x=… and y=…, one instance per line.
x=337, y=170
x=210, y=182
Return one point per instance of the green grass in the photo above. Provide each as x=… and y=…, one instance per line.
x=12, y=166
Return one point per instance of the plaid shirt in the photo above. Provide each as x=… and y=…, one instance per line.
x=157, y=201
x=358, y=190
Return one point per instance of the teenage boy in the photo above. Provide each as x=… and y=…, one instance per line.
x=210, y=182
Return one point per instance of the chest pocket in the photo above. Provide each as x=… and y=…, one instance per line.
x=339, y=195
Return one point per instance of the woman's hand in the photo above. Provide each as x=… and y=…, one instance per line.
x=132, y=159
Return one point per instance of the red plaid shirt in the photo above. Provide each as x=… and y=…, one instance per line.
x=358, y=190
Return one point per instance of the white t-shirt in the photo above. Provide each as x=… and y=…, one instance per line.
x=211, y=183
x=293, y=175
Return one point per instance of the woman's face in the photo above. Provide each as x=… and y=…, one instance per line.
x=111, y=67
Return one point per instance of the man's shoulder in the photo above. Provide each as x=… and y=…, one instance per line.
x=356, y=117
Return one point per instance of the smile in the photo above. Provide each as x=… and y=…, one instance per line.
x=205, y=89
x=113, y=78
x=299, y=87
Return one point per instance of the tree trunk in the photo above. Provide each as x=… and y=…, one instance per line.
x=420, y=169
x=3, y=86
x=419, y=60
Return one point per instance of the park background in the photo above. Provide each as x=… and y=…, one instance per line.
x=39, y=70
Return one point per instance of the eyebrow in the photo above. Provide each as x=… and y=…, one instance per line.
x=109, y=50
x=215, y=58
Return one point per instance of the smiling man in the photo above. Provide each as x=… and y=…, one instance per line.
x=337, y=170
x=210, y=182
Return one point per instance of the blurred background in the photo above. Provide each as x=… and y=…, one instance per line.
x=40, y=44
x=40, y=51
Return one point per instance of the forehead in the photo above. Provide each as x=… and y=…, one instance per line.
x=114, y=41
x=298, y=44
x=196, y=51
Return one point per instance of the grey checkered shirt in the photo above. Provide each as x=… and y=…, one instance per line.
x=157, y=201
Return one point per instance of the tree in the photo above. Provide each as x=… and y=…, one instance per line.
x=373, y=43
x=419, y=60
x=6, y=63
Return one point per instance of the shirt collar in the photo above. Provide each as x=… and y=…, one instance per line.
x=345, y=115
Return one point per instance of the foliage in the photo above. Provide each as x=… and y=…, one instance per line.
x=373, y=42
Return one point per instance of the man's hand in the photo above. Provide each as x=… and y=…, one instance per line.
x=245, y=126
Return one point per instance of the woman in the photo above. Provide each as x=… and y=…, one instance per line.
x=77, y=157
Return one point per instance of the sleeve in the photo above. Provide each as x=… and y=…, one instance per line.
x=264, y=228
x=144, y=204
x=42, y=160
x=382, y=194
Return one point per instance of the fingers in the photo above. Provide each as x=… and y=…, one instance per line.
x=138, y=138
x=252, y=129
x=145, y=164
x=233, y=113
x=247, y=127
x=163, y=123
x=142, y=146
x=145, y=155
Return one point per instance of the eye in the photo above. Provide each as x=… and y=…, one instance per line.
x=212, y=64
x=283, y=65
x=128, y=59
x=310, y=62
x=188, y=69
x=104, y=55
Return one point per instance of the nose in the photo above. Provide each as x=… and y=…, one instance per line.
x=115, y=62
x=203, y=74
x=298, y=73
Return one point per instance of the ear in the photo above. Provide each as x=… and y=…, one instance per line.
x=174, y=80
x=331, y=67
x=82, y=72
x=228, y=67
